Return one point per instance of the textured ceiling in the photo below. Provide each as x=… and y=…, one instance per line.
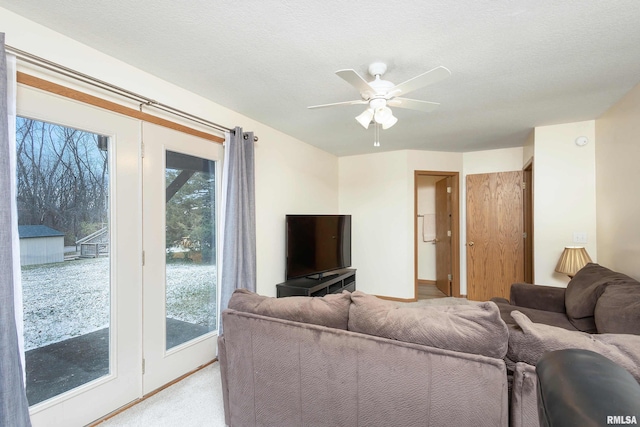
x=515, y=64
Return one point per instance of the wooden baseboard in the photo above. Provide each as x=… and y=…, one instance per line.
x=426, y=282
x=397, y=299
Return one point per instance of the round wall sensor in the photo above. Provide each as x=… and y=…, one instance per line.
x=581, y=141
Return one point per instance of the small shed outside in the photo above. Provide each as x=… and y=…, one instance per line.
x=40, y=244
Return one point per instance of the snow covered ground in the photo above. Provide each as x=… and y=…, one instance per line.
x=70, y=299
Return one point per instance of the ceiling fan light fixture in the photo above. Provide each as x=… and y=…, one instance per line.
x=384, y=116
x=378, y=103
x=379, y=94
x=365, y=118
x=392, y=120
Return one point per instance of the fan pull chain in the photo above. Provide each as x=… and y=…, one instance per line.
x=376, y=135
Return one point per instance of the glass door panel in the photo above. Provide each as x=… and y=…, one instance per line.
x=63, y=217
x=180, y=183
x=190, y=246
x=80, y=242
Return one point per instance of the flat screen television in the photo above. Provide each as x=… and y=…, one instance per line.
x=316, y=244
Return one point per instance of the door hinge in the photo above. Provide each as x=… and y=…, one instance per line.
x=524, y=235
x=449, y=190
x=448, y=233
x=450, y=276
x=143, y=258
x=524, y=185
x=143, y=366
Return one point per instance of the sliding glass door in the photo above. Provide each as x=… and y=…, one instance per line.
x=80, y=250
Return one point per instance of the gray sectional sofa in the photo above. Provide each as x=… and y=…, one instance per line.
x=599, y=310
x=356, y=360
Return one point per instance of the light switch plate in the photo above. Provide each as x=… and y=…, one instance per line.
x=580, y=237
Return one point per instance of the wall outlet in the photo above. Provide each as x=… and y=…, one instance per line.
x=580, y=237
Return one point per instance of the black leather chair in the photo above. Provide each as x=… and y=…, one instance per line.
x=583, y=388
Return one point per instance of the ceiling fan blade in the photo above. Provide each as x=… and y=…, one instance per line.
x=422, y=80
x=356, y=102
x=413, y=104
x=356, y=80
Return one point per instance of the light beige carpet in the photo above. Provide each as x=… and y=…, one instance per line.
x=193, y=402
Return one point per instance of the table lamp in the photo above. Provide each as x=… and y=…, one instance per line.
x=573, y=258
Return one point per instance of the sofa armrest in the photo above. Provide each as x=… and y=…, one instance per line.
x=547, y=298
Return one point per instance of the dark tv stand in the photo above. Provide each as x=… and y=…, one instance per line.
x=321, y=276
x=332, y=282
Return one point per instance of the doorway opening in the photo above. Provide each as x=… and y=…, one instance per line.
x=436, y=234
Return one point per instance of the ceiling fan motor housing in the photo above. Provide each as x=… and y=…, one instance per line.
x=377, y=69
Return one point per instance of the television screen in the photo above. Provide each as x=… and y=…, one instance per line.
x=316, y=244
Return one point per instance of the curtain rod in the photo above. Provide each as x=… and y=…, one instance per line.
x=68, y=72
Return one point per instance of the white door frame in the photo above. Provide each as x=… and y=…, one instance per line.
x=123, y=384
x=161, y=365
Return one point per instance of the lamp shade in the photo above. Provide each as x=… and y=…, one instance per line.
x=573, y=258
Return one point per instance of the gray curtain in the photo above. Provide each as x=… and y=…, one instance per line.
x=238, y=217
x=14, y=409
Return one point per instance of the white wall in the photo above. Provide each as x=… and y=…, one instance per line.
x=529, y=147
x=564, y=195
x=378, y=190
x=426, y=192
x=492, y=161
x=617, y=178
x=291, y=176
x=373, y=191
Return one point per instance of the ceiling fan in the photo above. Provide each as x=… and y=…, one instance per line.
x=380, y=94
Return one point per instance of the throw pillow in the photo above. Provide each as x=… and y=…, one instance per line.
x=330, y=310
x=584, y=290
x=534, y=339
x=618, y=310
x=471, y=328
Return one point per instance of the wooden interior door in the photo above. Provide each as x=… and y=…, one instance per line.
x=495, y=255
x=443, y=235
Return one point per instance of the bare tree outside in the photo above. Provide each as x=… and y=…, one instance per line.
x=62, y=178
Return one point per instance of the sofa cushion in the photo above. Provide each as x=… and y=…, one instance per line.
x=584, y=290
x=618, y=310
x=471, y=328
x=330, y=310
x=531, y=340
